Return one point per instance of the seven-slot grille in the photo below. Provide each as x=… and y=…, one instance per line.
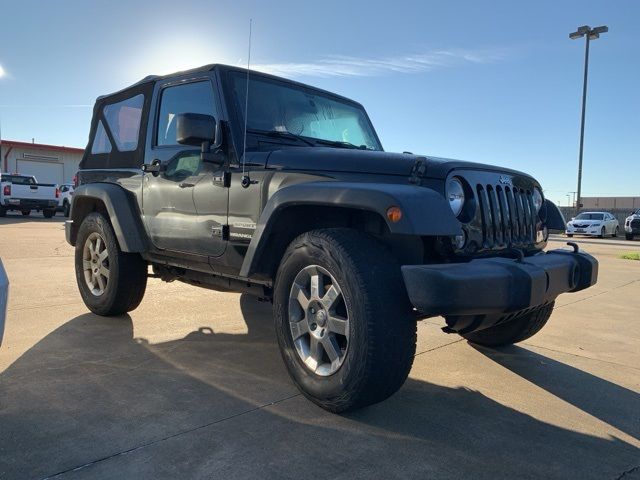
x=507, y=215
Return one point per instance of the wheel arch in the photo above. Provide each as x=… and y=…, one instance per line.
x=296, y=209
x=115, y=203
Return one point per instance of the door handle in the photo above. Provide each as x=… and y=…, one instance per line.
x=186, y=185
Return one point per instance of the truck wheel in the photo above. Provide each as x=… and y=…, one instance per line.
x=3, y=212
x=66, y=208
x=48, y=213
x=569, y=235
x=26, y=213
x=628, y=236
x=111, y=282
x=343, y=320
x=514, y=331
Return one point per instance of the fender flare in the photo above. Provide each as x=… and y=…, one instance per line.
x=122, y=209
x=554, y=220
x=425, y=212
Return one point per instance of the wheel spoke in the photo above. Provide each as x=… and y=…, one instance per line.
x=314, y=349
x=101, y=283
x=299, y=328
x=338, y=325
x=103, y=255
x=86, y=265
x=315, y=286
x=330, y=346
x=98, y=245
x=104, y=271
x=92, y=250
x=300, y=296
x=330, y=297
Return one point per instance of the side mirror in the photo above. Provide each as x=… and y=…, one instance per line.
x=195, y=129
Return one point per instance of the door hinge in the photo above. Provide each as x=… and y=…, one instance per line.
x=224, y=180
x=221, y=231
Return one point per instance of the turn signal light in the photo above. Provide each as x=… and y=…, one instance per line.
x=394, y=214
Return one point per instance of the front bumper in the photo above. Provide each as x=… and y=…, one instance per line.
x=497, y=286
x=4, y=298
x=591, y=231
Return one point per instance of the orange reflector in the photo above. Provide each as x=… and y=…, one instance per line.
x=394, y=214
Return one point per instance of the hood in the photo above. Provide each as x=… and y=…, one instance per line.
x=576, y=221
x=327, y=159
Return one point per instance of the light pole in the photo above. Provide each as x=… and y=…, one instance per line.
x=590, y=34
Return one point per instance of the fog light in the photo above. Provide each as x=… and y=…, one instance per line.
x=460, y=240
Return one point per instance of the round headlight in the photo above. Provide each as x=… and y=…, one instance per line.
x=537, y=199
x=455, y=195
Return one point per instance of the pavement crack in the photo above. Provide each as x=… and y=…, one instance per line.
x=439, y=346
x=168, y=437
x=626, y=472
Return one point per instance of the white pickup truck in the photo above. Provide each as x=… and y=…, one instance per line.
x=24, y=193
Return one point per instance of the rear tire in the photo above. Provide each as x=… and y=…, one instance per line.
x=616, y=231
x=514, y=331
x=48, y=213
x=603, y=232
x=110, y=283
x=26, y=213
x=372, y=360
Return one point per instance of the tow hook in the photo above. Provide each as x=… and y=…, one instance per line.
x=576, y=248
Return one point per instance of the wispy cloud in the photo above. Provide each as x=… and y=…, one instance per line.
x=348, y=66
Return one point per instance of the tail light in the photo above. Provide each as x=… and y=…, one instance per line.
x=75, y=181
x=57, y=192
x=7, y=190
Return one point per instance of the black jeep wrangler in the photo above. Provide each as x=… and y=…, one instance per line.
x=286, y=193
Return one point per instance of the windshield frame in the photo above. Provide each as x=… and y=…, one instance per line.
x=234, y=111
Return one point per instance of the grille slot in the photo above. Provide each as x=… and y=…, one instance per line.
x=507, y=215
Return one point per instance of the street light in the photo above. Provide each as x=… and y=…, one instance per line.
x=590, y=34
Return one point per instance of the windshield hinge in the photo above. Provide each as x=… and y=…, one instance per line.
x=418, y=170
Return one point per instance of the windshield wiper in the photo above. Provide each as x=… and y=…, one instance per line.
x=338, y=143
x=281, y=134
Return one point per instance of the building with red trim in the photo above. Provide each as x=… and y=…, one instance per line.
x=48, y=163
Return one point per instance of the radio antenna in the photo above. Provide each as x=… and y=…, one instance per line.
x=246, y=181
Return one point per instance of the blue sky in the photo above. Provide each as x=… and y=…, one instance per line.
x=496, y=82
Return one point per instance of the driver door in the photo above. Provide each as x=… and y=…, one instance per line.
x=168, y=202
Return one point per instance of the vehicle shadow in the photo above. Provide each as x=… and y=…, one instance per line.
x=611, y=403
x=210, y=404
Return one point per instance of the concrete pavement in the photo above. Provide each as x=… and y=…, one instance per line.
x=191, y=384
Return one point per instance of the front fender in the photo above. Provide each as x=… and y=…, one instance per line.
x=121, y=206
x=425, y=212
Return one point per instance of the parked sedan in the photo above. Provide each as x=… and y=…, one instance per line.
x=593, y=224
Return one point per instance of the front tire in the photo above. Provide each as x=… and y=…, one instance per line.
x=569, y=235
x=514, y=331
x=616, y=231
x=111, y=282
x=66, y=208
x=344, y=285
x=603, y=232
x=628, y=236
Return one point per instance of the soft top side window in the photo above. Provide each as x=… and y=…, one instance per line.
x=101, y=143
x=123, y=119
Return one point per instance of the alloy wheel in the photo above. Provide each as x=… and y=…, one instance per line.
x=95, y=264
x=318, y=320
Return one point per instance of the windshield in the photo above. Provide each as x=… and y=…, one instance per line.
x=590, y=216
x=283, y=107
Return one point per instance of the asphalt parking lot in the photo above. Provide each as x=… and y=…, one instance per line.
x=191, y=384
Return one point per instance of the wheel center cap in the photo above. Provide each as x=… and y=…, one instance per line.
x=321, y=318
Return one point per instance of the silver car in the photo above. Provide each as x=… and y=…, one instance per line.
x=597, y=224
